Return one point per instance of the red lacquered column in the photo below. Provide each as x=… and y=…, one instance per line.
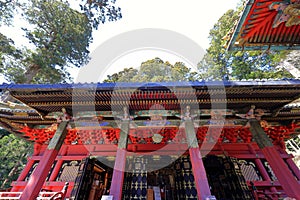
x=199, y=172
x=279, y=167
x=120, y=162
x=41, y=172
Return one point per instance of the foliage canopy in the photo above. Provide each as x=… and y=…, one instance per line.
x=236, y=65
x=59, y=37
x=58, y=34
x=154, y=70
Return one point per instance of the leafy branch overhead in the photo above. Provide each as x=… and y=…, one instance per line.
x=60, y=36
x=236, y=65
x=217, y=63
x=100, y=11
x=154, y=70
x=13, y=157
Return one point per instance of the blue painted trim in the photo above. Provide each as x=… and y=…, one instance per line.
x=242, y=20
x=146, y=86
x=264, y=47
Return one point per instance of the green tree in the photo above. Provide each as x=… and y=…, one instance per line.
x=60, y=37
x=100, y=11
x=154, y=70
x=125, y=75
x=291, y=63
x=179, y=72
x=236, y=65
x=13, y=157
x=7, y=10
x=221, y=64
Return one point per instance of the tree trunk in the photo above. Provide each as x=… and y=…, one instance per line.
x=31, y=73
x=11, y=173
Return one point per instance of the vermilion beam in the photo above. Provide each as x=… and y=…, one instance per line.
x=293, y=167
x=23, y=174
x=58, y=164
x=118, y=175
x=119, y=168
x=261, y=168
x=281, y=170
x=199, y=172
x=26, y=169
x=41, y=172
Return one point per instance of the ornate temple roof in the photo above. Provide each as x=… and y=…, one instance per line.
x=43, y=104
x=268, y=24
x=239, y=95
x=47, y=98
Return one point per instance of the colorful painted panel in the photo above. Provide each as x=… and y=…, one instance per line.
x=268, y=24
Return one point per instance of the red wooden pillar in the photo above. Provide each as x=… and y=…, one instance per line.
x=26, y=170
x=287, y=180
x=58, y=164
x=291, y=163
x=23, y=175
x=293, y=167
x=36, y=149
x=199, y=172
x=40, y=174
x=261, y=168
x=120, y=162
x=264, y=174
x=118, y=174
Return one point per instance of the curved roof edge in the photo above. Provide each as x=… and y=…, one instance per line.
x=149, y=85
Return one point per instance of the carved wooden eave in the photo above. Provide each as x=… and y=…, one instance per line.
x=100, y=106
x=267, y=24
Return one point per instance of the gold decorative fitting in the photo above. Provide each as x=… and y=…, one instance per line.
x=111, y=158
x=157, y=138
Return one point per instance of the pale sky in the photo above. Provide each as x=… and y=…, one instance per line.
x=191, y=18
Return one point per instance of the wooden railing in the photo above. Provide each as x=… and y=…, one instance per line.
x=42, y=195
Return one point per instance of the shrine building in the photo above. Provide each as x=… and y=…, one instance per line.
x=182, y=140
x=106, y=140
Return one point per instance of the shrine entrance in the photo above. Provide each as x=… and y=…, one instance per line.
x=92, y=181
x=257, y=121
x=174, y=181
x=161, y=183
x=226, y=179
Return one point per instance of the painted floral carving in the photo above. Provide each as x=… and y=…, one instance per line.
x=288, y=12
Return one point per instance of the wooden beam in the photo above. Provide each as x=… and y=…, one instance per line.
x=261, y=168
x=293, y=167
x=279, y=167
x=58, y=164
x=199, y=172
x=120, y=162
x=41, y=172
